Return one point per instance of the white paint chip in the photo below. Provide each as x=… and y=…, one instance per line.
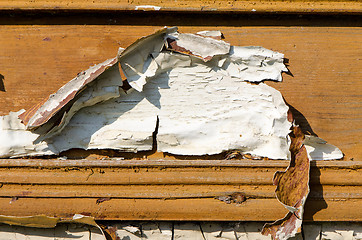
x=147, y=8
x=213, y=34
x=204, y=47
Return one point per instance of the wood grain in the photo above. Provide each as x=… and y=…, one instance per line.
x=161, y=175
x=207, y=209
x=301, y=6
x=166, y=163
x=171, y=189
x=166, y=191
x=325, y=61
x=43, y=47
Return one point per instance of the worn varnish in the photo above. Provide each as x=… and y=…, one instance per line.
x=171, y=189
x=42, y=50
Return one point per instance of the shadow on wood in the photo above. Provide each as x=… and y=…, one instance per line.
x=312, y=207
x=2, y=85
x=301, y=120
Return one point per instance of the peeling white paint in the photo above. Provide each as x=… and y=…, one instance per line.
x=106, y=87
x=213, y=34
x=203, y=107
x=69, y=91
x=148, y=7
x=255, y=64
x=204, y=47
x=318, y=149
x=136, y=61
x=213, y=111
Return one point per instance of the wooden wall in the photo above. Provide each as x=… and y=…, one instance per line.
x=44, y=44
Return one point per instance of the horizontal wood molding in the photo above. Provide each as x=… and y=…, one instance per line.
x=205, y=209
x=161, y=172
x=171, y=189
x=301, y=6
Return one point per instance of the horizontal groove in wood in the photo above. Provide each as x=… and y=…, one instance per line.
x=162, y=176
x=179, y=209
x=205, y=19
x=316, y=6
x=131, y=177
x=135, y=191
x=167, y=191
x=84, y=163
x=55, y=163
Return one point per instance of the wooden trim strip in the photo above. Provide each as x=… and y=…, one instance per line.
x=256, y=6
x=166, y=191
x=157, y=190
x=121, y=163
x=168, y=176
x=204, y=209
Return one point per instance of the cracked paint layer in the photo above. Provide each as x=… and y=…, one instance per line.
x=194, y=90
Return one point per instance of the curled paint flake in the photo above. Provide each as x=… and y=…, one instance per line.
x=191, y=98
x=53, y=106
x=197, y=45
x=292, y=189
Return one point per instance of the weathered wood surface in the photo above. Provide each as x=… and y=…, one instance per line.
x=172, y=189
x=300, y=6
x=41, y=51
x=178, y=209
x=325, y=61
x=170, y=172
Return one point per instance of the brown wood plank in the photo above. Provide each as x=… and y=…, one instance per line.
x=167, y=191
x=161, y=176
x=326, y=87
x=207, y=209
x=135, y=191
x=137, y=176
x=301, y=6
x=171, y=189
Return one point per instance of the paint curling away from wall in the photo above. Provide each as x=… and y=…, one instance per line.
x=195, y=88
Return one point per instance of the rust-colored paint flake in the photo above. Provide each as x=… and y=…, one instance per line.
x=292, y=185
x=292, y=189
x=282, y=228
x=110, y=232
